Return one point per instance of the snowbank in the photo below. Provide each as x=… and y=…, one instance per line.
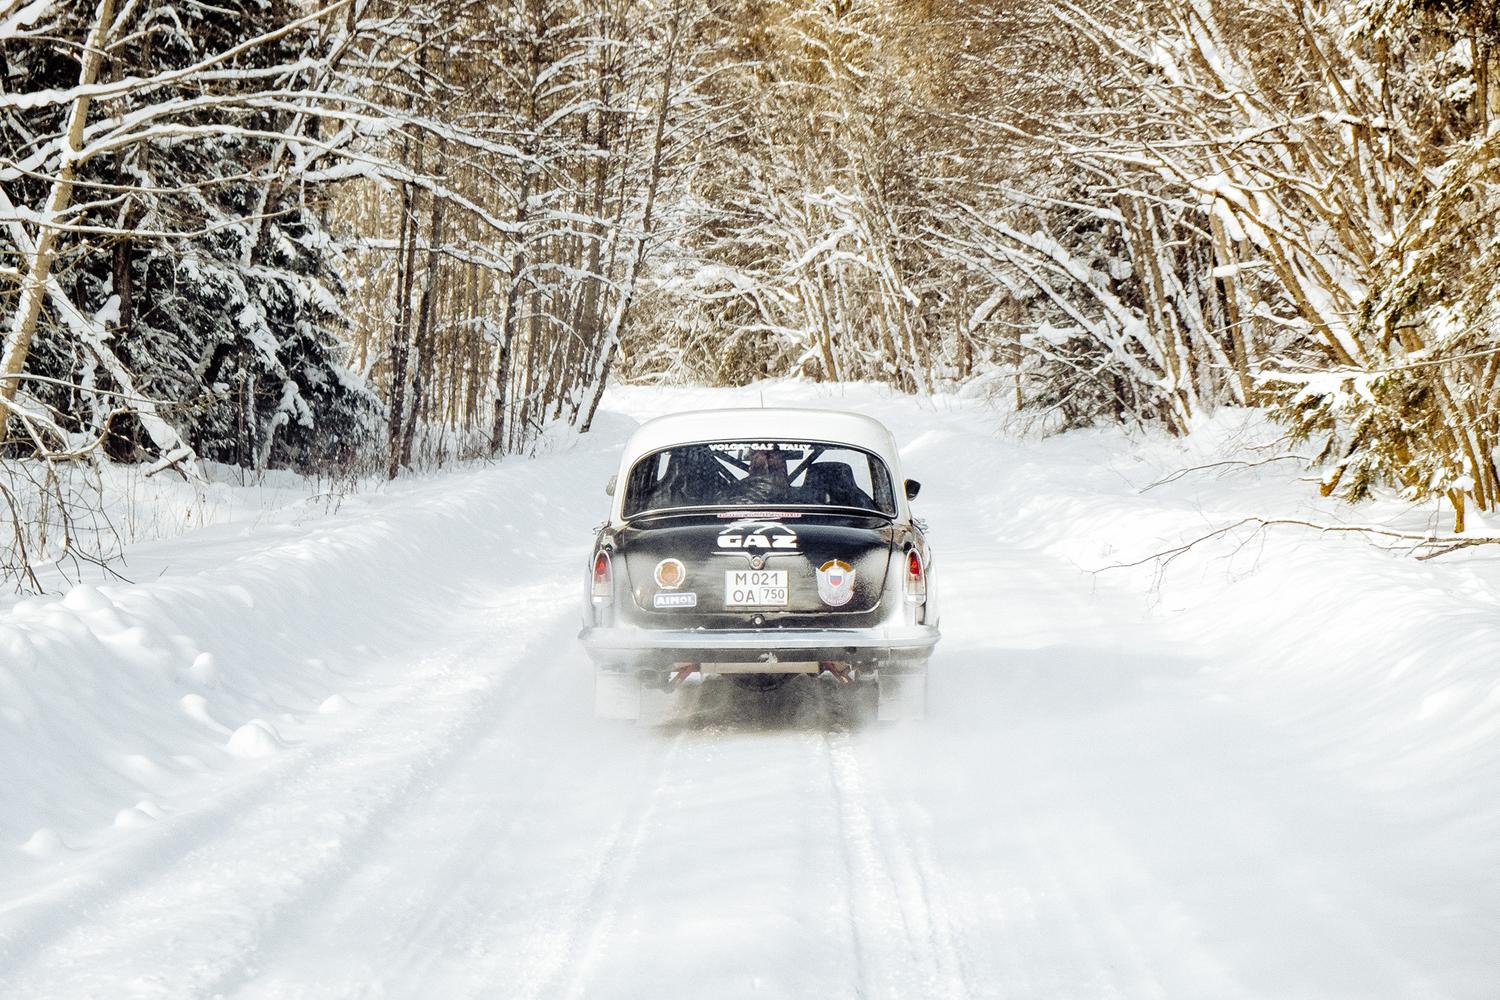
x=237, y=641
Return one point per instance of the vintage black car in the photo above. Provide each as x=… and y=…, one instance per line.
x=760, y=544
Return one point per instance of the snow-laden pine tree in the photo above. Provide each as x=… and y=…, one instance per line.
x=194, y=280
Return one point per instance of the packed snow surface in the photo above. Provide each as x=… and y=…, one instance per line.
x=352, y=755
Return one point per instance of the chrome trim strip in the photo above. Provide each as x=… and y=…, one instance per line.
x=885, y=637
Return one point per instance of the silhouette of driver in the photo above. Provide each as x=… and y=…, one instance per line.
x=766, y=480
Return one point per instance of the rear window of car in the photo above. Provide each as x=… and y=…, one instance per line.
x=759, y=473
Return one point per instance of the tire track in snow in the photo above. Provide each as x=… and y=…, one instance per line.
x=558, y=949
x=611, y=874
x=421, y=913
x=854, y=905
x=1065, y=917
x=304, y=814
x=899, y=824
x=424, y=900
x=605, y=929
x=885, y=881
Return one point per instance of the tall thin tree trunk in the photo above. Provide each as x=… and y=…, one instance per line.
x=400, y=337
x=600, y=374
x=49, y=228
x=423, y=337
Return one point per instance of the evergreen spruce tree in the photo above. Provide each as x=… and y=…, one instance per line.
x=214, y=277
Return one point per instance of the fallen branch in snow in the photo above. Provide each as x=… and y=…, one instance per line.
x=1238, y=463
x=171, y=461
x=1437, y=544
x=1456, y=544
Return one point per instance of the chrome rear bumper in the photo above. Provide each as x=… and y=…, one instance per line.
x=625, y=647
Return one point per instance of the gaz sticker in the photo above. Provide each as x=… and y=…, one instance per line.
x=753, y=536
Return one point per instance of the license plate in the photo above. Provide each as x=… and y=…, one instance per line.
x=755, y=588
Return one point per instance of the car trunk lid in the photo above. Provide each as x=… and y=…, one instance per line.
x=735, y=564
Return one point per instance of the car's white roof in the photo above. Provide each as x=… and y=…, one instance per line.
x=762, y=424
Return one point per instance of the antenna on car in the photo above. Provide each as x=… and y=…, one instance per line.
x=762, y=399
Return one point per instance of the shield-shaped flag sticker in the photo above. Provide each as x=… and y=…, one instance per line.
x=836, y=583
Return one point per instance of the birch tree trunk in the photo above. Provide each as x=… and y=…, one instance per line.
x=50, y=228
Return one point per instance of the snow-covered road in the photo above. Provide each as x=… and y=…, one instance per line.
x=1252, y=777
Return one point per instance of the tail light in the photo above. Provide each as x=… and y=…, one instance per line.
x=916, y=577
x=604, y=584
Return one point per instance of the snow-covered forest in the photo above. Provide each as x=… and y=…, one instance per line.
x=328, y=333
x=361, y=236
